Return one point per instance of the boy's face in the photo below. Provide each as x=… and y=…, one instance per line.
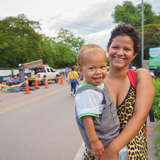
x=94, y=67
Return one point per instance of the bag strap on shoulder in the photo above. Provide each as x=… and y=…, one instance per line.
x=83, y=88
x=132, y=77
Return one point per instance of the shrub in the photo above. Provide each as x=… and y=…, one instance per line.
x=157, y=140
x=156, y=107
x=156, y=101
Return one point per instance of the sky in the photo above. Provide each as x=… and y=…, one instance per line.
x=89, y=19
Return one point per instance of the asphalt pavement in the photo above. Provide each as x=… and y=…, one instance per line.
x=151, y=140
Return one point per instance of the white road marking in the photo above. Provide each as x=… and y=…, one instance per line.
x=79, y=154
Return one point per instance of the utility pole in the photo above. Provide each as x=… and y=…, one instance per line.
x=142, y=35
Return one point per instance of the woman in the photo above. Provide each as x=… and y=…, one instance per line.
x=122, y=49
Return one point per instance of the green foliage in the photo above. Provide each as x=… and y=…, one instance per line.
x=151, y=34
x=130, y=14
x=57, y=53
x=157, y=36
x=49, y=51
x=156, y=101
x=157, y=140
x=64, y=55
x=127, y=13
x=156, y=108
x=20, y=43
x=67, y=37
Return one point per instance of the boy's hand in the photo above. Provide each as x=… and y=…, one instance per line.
x=97, y=148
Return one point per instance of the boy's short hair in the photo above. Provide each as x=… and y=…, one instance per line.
x=84, y=49
x=128, y=30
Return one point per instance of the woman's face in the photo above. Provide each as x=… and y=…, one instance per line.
x=121, y=51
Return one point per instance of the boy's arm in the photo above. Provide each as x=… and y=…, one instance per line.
x=97, y=146
x=144, y=98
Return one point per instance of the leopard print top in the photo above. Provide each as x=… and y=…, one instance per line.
x=137, y=148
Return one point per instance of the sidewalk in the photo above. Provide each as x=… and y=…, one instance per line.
x=151, y=140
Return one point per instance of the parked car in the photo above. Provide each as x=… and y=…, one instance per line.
x=43, y=72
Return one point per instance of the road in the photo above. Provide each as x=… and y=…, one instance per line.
x=39, y=125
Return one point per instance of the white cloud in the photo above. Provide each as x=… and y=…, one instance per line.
x=101, y=38
x=87, y=18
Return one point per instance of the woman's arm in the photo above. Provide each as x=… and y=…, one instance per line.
x=144, y=98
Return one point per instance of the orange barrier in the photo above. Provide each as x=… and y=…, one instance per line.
x=36, y=82
x=61, y=79
x=27, y=87
x=4, y=86
x=46, y=82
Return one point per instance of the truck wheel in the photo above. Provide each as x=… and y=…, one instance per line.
x=42, y=82
x=56, y=80
x=30, y=83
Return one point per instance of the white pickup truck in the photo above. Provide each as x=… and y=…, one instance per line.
x=42, y=72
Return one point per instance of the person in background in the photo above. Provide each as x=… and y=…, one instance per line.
x=10, y=80
x=151, y=113
x=16, y=79
x=95, y=113
x=66, y=74
x=77, y=70
x=152, y=74
x=21, y=73
x=73, y=80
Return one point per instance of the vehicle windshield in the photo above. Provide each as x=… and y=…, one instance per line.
x=39, y=69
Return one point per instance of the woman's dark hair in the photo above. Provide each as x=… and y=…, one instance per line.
x=125, y=29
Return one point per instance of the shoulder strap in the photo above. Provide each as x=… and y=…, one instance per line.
x=132, y=77
x=83, y=88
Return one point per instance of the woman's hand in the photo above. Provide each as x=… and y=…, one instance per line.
x=110, y=153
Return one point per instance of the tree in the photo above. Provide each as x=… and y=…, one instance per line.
x=19, y=42
x=57, y=54
x=49, y=51
x=151, y=35
x=75, y=43
x=157, y=36
x=130, y=14
x=64, y=55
